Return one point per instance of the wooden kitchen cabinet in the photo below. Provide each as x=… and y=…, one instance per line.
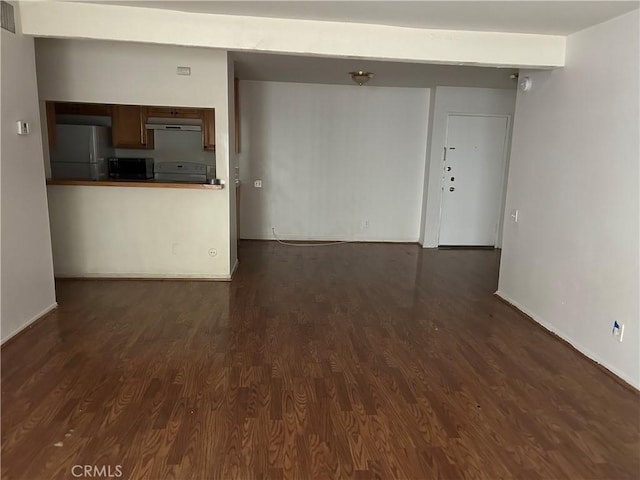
x=70, y=108
x=128, y=127
x=209, y=128
x=51, y=124
x=175, y=112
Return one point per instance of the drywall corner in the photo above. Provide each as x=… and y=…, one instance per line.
x=427, y=153
x=27, y=285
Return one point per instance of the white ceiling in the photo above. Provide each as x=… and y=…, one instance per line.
x=545, y=17
x=542, y=17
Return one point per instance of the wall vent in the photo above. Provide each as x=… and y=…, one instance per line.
x=8, y=20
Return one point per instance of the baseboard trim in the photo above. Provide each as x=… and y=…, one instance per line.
x=326, y=238
x=234, y=269
x=383, y=242
x=30, y=323
x=614, y=373
x=156, y=277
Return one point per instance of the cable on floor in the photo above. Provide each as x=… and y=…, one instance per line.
x=290, y=244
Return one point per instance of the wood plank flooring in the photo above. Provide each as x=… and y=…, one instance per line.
x=357, y=361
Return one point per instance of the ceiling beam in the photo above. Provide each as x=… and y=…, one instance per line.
x=291, y=36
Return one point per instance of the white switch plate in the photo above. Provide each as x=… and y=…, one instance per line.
x=618, y=330
x=23, y=127
x=257, y=183
x=514, y=215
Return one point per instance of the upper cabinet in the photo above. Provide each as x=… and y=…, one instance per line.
x=128, y=122
x=209, y=129
x=128, y=127
x=51, y=124
x=69, y=108
x=175, y=112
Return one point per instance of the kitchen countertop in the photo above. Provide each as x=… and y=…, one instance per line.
x=134, y=183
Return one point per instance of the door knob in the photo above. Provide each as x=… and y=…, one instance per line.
x=451, y=189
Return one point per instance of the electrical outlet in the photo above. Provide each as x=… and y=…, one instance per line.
x=213, y=252
x=364, y=224
x=257, y=183
x=183, y=71
x=618, y=330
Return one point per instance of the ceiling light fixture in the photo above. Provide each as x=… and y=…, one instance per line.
x=361, y=77
x=525, y=84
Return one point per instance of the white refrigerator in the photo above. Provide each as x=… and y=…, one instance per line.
x=81, y=153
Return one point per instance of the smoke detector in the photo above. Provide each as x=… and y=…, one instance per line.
x=525, y=84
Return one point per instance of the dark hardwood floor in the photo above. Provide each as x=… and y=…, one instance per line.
x=353, y=361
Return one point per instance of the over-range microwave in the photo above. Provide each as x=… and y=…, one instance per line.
x=121, y=168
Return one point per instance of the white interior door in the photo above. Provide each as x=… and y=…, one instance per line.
x=473, y=179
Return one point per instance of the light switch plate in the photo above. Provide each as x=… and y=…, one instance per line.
x=22, y=127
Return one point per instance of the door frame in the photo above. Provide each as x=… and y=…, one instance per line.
x=505, y=165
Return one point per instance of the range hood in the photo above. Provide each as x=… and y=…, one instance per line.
x=174, y=124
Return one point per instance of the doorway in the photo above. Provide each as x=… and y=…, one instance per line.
x=473, y=181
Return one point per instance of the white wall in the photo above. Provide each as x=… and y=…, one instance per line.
x=483, y=101
x=136, y=232
x=130, y=73
x=571, y=261
x=141, y=74
x=27, y=288
x=284, y=35
x=331, y=157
